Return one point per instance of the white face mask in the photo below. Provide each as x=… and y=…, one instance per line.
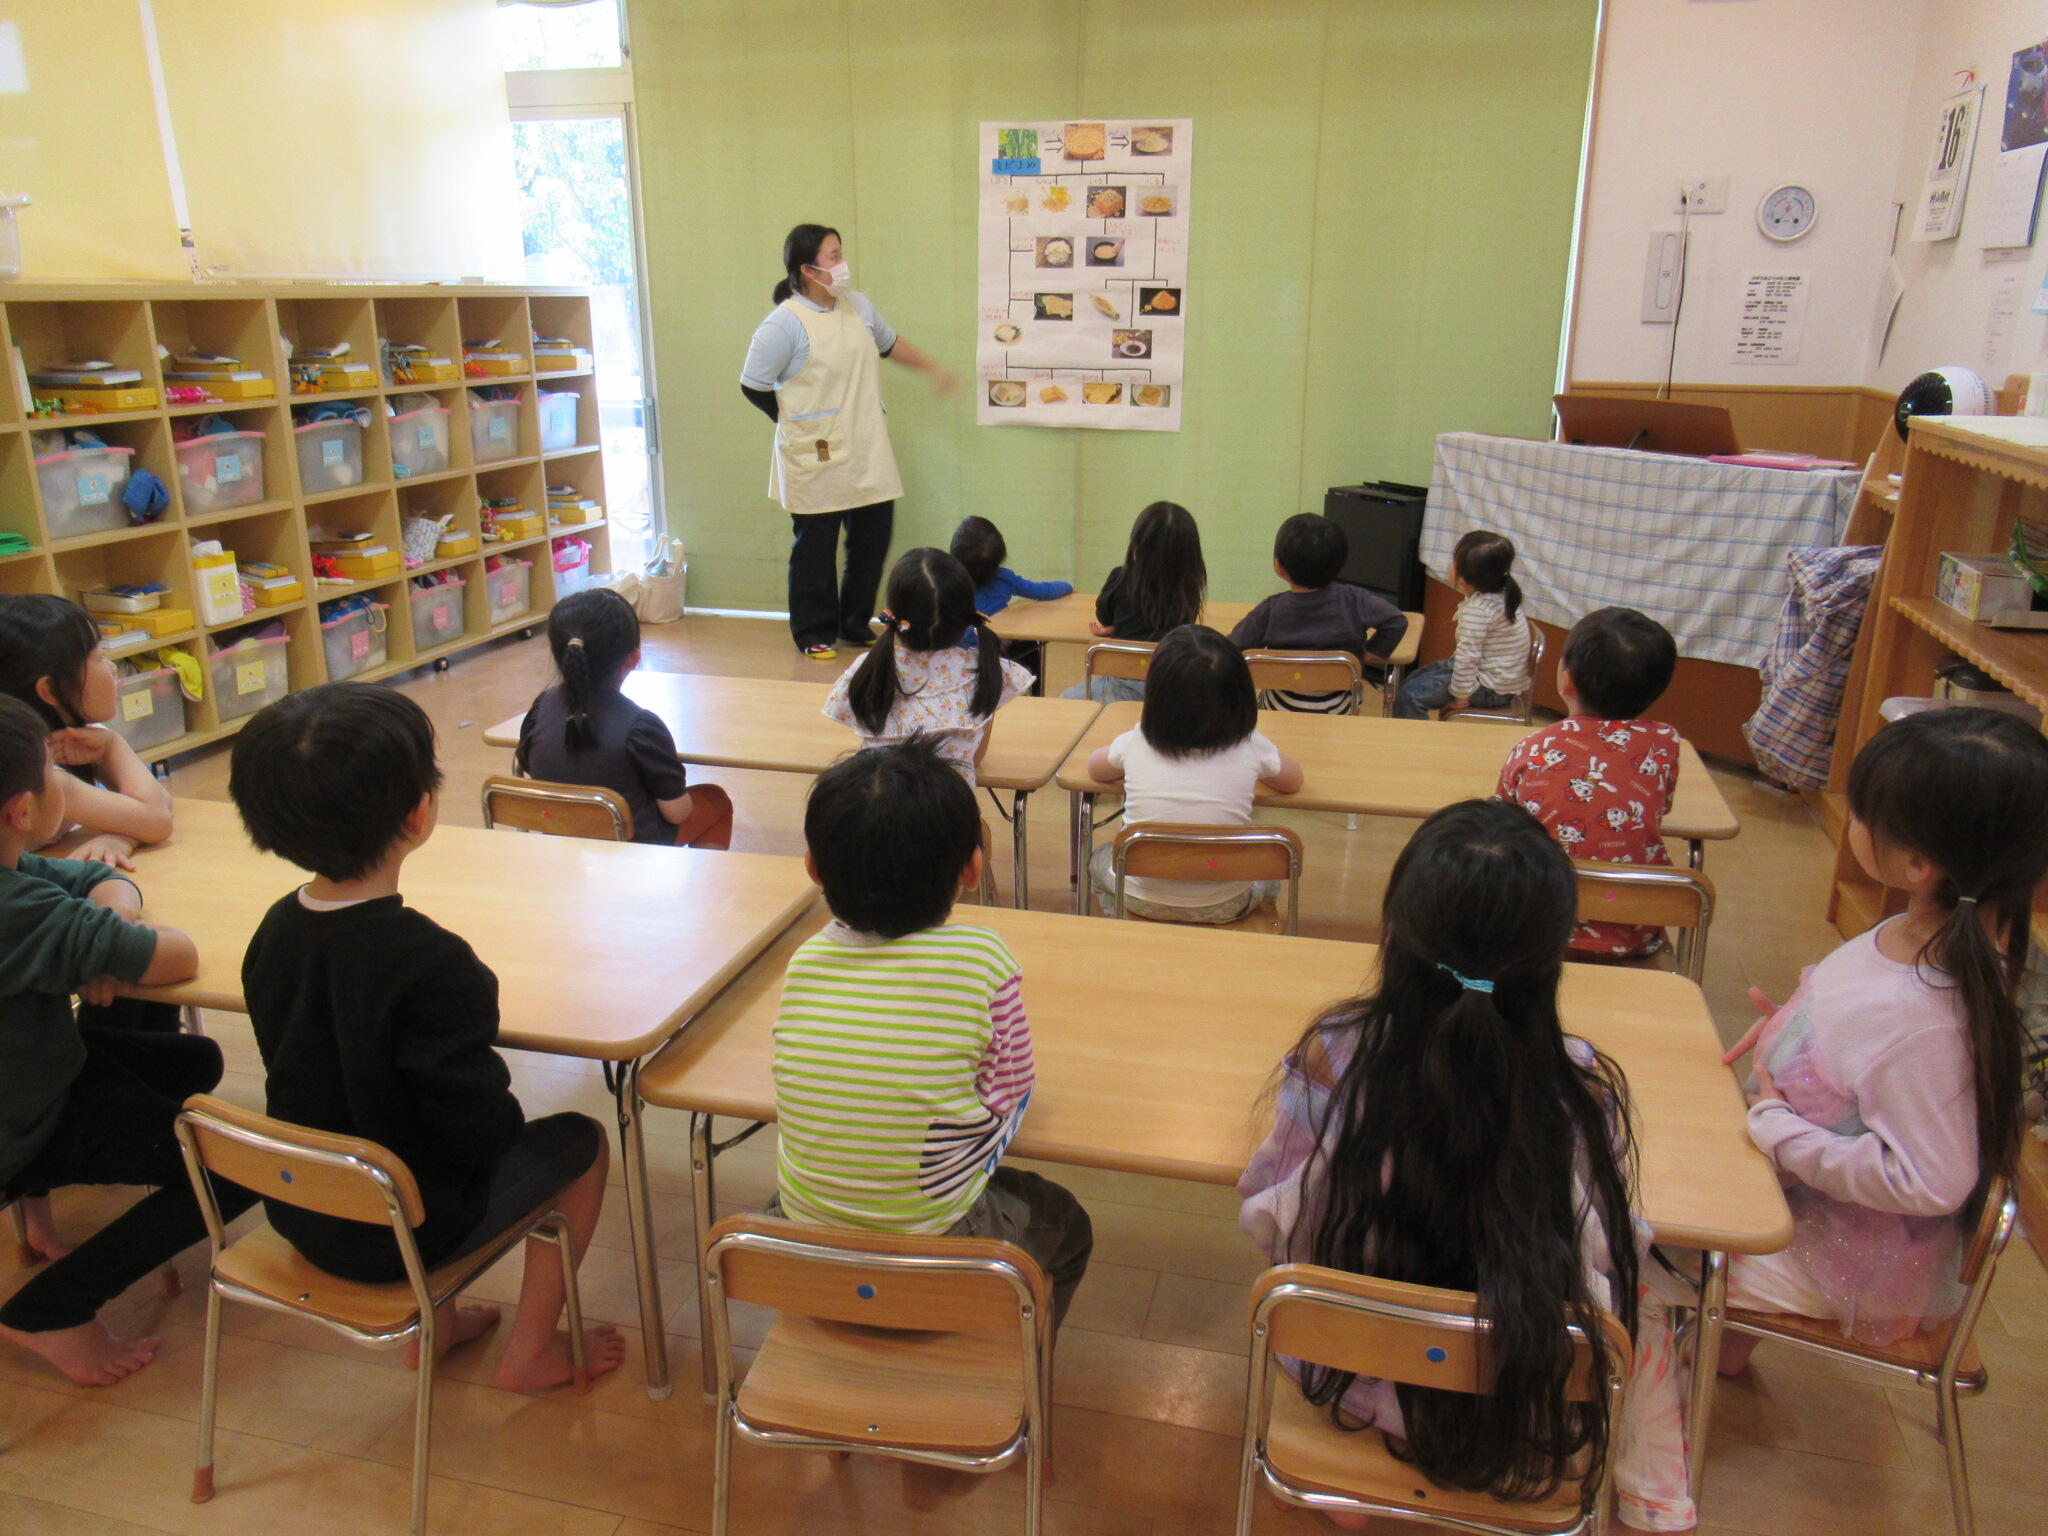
x=838, y=275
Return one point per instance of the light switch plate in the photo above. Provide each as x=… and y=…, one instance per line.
x=1663, y=277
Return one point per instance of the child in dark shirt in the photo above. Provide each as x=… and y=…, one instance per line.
x=86, y=1106
x=1318, y=612
x=585, y=731
x=376, y=1022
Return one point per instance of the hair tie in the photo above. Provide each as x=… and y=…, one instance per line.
x=1966, y=901
x=576, y=642
x=901, y=625
x=1469, y=983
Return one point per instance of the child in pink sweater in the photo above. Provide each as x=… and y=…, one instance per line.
x=1887, y=1091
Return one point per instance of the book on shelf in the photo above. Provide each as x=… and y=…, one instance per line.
x=212, y=376
x=87, y=378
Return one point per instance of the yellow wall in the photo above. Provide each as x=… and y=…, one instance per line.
x=361, y=139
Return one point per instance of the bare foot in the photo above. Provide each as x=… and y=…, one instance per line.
x=88, y=1354
x=1736, y=1348
x=1345, y=1521
x=456, y=1325
x=603, y=1348
x=40, y=1230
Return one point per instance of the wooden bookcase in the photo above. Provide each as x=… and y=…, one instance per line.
x=130, y=325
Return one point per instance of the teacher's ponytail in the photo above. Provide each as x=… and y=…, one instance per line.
x=799, y=250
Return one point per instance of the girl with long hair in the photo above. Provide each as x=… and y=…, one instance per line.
x=1159, y=587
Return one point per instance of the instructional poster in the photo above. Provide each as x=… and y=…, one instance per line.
x=1084, y=260
x=1771, y=321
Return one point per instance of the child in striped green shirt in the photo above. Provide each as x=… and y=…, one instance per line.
x=902, y=1052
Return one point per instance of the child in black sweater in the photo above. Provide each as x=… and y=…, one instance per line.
x=86, y=1106
x=374, y=1021
x=1318, y=612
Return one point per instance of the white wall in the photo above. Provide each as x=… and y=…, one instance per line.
x=1764, y=92
x=1951, y=285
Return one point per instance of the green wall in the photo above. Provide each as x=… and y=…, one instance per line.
x=1383, y=203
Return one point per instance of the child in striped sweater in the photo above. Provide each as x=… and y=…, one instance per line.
x=1491, y=663
x=902, y=1053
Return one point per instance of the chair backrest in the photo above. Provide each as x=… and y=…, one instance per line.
x=1118, y=658
x=1166, y=850
x=878, y=1280
x=559, y=810
x=1308, y=672
x=1994, y=1227
x=1652, y=896
x=341, y=1176
x=1405, y=1333
x=1520, y=709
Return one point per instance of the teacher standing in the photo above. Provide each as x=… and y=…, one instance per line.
x=814, y=369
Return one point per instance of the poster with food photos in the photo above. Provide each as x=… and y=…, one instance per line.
x=1083, y=277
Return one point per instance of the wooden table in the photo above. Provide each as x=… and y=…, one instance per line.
x=1383, y=767
x=780, y=727
x=1065, y=620
x=1156, y=1045
x=602, y=950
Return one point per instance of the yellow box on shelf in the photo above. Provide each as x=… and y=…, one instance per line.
x=426, y=373
x=518, y=525
x=351, y=376
x=125, y=398
x=228, y=389
x=485, y=365
x=561, y=362
x=162, y=621
x=452, y=544
x=368, y=567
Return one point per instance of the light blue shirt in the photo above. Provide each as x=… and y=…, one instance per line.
x=781, y=346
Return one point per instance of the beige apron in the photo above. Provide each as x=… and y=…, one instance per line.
x=832, y=444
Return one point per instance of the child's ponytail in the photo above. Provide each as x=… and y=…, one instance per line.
x=593, y=636
x=1485, y=561
x=1511, y=595
x=930, y=608
x=872, y=692
x=988, y=671
x=1967, y=790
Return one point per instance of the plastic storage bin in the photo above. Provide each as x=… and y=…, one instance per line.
x=330, y=455
x=356, y=642
x=558, y=419
x=148, y=711
x=572, y=567
x=250, y=674
x=493, y=429
x=419, y=442
x=82, y=489
x=437, y=614
x=508, y=590
x=221, y=471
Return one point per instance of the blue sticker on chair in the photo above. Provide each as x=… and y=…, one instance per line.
x=1435, y=1354
x=286, y=1175
x=864, y=1292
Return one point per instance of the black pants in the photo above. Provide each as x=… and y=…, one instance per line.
x=116, y=1129
x=822, y=609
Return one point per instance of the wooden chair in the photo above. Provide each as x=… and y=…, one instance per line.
x=1655, y=896
x=929, y=1349
x=1116, y=658
x=1309, y=672
x=1401, y=1333
x=1944, y=1359
x=355, y=1180
x=1521, y=709
x=1161, y=850
x=1397, y=671
x=985, y=892
x=559, y=810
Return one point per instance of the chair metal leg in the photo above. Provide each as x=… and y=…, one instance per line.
x=190, y=1022
x=703, y=1205
x=1706, y=1360
x=27, y=1256
x=1020, y=852
x=1696, y=852
x=209, y=1389
x=721, y=1468
x=640, y=1223
x=1950, y=1425
x=572, y=1298
x=1034, y=1483
x=1084, y=849
x=423, y=1423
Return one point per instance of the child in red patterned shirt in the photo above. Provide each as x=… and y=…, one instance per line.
x=1601, y=779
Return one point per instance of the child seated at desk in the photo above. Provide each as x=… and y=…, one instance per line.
x=902, y=1053
x=1197, y=756
x=979, y=547
x=375, y=1021
x=1160, y=586
x=1491, y=663
x=584, y=730
x=1601, y=779
x=1318, y=612
x=1444, y=1130
x=86, y=1106
x=919, y=679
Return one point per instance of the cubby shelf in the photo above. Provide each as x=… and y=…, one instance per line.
x=129, y=324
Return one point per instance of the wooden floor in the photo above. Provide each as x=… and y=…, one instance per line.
x=316, y=1434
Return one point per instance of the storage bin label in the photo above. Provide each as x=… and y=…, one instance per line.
x=330, y=451
x=359, y=644
x=227, y=469
x=494, y=429
x=444, y=617
x=250, y=677
x=94, y=490
x=139, y=705
x=428, y=437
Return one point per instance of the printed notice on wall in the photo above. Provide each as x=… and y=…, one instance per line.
x=1771, y=321
x=1083, y=274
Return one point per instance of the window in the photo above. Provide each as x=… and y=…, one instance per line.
x=559, y=34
